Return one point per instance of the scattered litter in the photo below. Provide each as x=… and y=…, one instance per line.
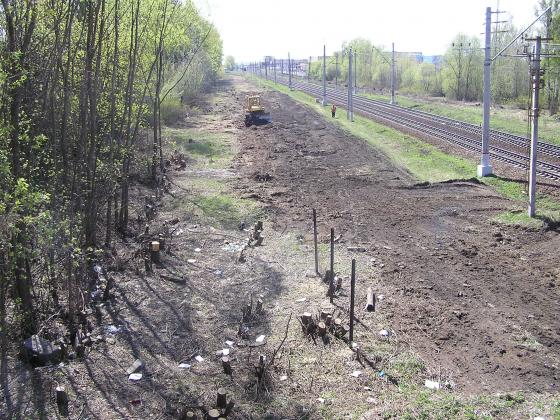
x=384, y=333
x=354, y=345
x=191, y=261
x=178, y=232
x=260, y=338
x=197, y=250
x=230, y=343
x=380, y=297
x=539, y=418
x=381, y=373
x=301, y=300
x=283, y=377
x=97, y=268
x=96, y=293
x=134, y=376
x=356, y=373
x=431, y=384
x=218, y=273
x=111, y=329
x=381, y=265
x=184, y=365
x=321, y=400
x=222, y=352
x=367, y=388
x=199, y=358
x=371, y=400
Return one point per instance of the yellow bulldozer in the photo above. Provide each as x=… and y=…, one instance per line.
x=254, y=111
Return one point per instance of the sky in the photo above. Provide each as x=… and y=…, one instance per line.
x=251, y=29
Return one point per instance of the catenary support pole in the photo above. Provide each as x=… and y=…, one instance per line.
x=355, y=72
x=289, y=72
x=331, y=278
x=485, y=168
x=336, y=72
x=393, y=73
x=349, y=112
x=535, y=77
x=324, y=102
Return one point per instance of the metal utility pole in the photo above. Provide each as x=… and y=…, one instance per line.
x=336, y=72
x=289, y=72
x=309, y=70
x=355, y=72
x=349, y=110
x=393, y=74
x=266, y=69
x=274, y=63
x=536, y=77
x=324, y=101
x=485, y=168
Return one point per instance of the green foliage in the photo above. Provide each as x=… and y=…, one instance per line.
x=230, y=63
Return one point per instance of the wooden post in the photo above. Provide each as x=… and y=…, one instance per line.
x=370, y=307
x=306, y=318
x=315, y=242
x=62, y=400
x=331, y=280
x=221, y=398
x=352, y=290
x=226, y=365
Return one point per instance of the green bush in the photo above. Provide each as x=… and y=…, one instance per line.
x=171, y=111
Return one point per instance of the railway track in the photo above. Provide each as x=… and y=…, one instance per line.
x=508, y=148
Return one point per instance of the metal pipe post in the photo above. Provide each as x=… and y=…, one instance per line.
x=485, y=168
x=324, y=102
x=315, y=242
x=536, y=76
x=331, y=279
x=393, y=73
x=352, y=293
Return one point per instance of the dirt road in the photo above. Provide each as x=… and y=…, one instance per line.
x=478, y=300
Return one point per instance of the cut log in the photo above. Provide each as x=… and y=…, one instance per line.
x=328, y=320
x=62, y=401
x=226, y=365
x=221, y=398
x=370, y=306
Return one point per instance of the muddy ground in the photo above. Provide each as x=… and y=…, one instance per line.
x=466, y=303
x=478, y=300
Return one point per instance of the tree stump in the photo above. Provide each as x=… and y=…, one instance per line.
x=226, y=365
x=321, y=328
x=154, y=251
x=62, y=400
x=221, y=398
x=189, y=415
x=214, y=414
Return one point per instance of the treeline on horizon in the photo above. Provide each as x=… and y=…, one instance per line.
x=84, y=88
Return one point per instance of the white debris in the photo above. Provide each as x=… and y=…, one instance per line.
x=230, y=343
x=301, y=300
x=97, y=268
x=184, y=365
x=260, y=338
x=283, y=377
x=371, y=400
x=432, y=384
x=191, y=261
x=384, y=333
x=134, y=376
x=380, y=297
x=222, y=352
x=178, y=232
x=321, y=400
x=218, y=272
x=111, y=329
x=356, y=373
x=199, y=358
x=539, y=418
x=197, y=250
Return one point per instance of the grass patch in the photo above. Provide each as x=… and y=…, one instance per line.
x=201, y=145
x=426, y=162
x=509, y=120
